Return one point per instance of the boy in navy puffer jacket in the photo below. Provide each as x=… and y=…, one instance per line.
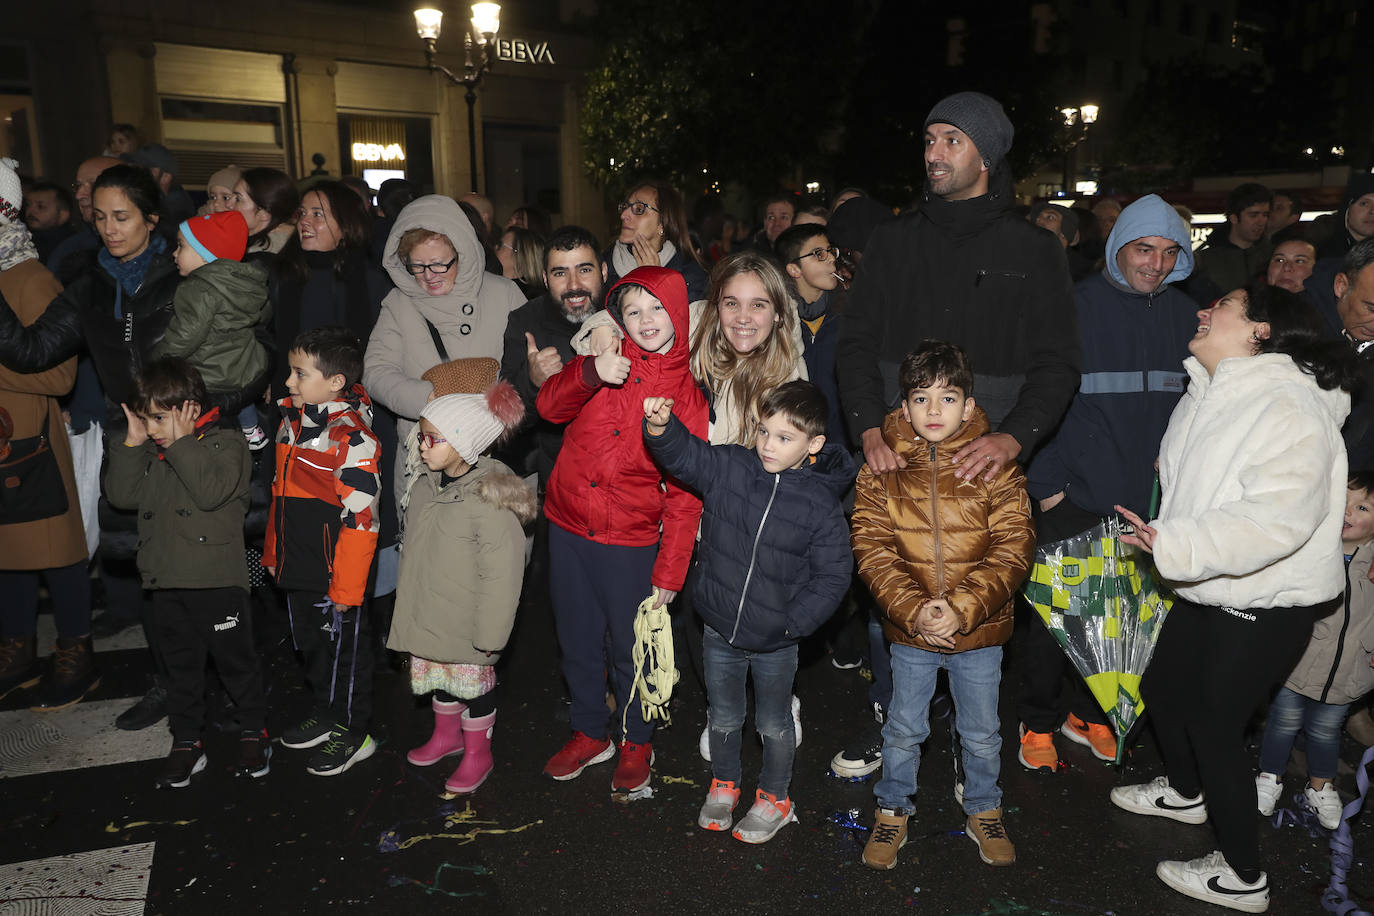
x=772, y=566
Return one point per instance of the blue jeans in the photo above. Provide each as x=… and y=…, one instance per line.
x=1291, y=712
x=772, y=674
x=975, y=678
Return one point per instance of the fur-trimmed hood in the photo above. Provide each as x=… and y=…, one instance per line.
x=504, y=490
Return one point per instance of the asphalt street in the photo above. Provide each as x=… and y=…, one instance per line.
x=83, y=830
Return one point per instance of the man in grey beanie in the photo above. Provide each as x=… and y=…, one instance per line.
x=964, y=269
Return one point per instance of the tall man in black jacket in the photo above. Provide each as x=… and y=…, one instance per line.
x=964, y=269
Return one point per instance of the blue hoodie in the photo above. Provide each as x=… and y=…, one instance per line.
x=1134, y=345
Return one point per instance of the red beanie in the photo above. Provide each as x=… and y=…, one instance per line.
x=217, y=235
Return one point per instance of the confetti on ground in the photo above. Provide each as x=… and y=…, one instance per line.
x=390, y=840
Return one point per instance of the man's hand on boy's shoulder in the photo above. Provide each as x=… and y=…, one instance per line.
x=657, y=413
x=987, y=454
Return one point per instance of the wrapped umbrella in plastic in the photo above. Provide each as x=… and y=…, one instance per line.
x=1104, y=604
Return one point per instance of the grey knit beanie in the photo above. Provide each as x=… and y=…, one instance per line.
x=981, y=117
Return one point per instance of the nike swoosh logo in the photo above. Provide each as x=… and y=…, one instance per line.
x=1214, y=884
x=1162, y=804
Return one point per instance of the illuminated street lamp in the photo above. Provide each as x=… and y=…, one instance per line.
x=485, y=23
x=1076, y=121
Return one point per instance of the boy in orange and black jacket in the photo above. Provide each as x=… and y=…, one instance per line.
x=322, y=538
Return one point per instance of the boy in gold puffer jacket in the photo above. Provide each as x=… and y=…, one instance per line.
x=943, y=557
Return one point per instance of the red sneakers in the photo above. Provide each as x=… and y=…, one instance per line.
x=632, y=772
x=579, y=753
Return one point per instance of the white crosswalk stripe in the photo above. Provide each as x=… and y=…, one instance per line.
x=72, y=739
x=108, y=882
x=129, y=638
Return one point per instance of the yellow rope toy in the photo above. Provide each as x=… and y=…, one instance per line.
x=654, y=680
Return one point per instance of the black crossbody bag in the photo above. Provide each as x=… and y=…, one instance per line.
x=31, y=487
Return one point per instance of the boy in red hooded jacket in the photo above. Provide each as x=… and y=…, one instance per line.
x=619, y=529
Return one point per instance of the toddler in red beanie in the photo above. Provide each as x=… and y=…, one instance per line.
x=216, y=309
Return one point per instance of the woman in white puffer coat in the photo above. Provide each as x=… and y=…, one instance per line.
x=1253, y=472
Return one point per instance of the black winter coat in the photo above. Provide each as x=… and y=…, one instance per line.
x=972, y=273
x=543, y=318
x=774, y=561
x=85, y=314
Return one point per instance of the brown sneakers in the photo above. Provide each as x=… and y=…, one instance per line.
x=987, y=830
x=888, y=836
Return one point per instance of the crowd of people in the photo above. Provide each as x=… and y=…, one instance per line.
x=354, y=407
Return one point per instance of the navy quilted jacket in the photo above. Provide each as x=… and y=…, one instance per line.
x=774, y=559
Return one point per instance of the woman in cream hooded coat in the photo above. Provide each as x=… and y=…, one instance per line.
x=468, y=315
x=1248, y=537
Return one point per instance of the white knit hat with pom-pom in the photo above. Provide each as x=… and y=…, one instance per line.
x=472, y=422
x=11, y=191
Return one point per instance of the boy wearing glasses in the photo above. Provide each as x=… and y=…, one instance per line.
x=321, y=538
x=810, y=261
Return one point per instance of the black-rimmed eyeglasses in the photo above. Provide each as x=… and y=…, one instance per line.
x=416, y=269
x=822, y=255
x=637, y=207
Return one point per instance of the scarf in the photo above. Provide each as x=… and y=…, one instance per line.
x=810, y=311
x=623, y=257
x=128, y=275
x=16, y=245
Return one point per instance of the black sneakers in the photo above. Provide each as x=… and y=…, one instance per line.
x=186, y=760
x=861, y=756
x=255, y=754
x=341, y=749
x=150, y=710
x=314, y=730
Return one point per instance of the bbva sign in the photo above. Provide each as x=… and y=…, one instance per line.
x=524, y=52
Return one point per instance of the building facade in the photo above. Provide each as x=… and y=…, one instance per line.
x=338, y=87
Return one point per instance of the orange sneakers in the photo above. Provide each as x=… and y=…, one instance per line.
x=1097, y=738
x=1037, y=751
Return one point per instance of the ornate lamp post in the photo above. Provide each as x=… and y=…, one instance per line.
x=486, y=22
x=1076, y=122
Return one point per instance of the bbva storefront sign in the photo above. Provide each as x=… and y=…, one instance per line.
x=376, y=152
x=524, y=52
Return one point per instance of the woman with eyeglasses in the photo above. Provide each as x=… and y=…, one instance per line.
x=653, y=233
x=521, y=253
x=445, y=307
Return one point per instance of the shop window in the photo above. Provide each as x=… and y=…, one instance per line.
x=376, y=148
x=208, y=135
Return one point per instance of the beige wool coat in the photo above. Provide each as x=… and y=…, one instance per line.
x=462, y=565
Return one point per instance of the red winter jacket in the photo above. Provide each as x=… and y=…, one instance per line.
x=605, y=487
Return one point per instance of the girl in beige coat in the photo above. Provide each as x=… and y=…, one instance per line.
x=461, y=569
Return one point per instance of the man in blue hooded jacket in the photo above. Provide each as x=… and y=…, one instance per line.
x=1134, y=327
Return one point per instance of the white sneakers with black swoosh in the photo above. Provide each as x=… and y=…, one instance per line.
x=1210, y=879
x=1158, y=798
